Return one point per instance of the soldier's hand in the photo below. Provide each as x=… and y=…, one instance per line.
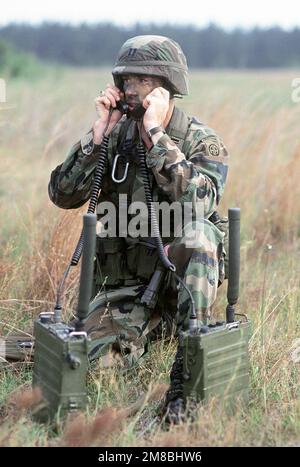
x=157, y=106
x=108, y=99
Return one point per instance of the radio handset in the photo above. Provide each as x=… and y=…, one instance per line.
x=122, y=106
x=137, y=113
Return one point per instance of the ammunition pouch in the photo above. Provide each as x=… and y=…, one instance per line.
x=121, y=261
x=142, y=259
x=110, y=262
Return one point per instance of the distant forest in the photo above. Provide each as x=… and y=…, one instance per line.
x=209, y=47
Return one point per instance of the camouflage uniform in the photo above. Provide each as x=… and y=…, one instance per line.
x=188, y=164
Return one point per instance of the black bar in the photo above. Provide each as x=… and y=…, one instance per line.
x=87, y=265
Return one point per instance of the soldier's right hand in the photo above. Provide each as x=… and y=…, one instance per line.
x=108, y=99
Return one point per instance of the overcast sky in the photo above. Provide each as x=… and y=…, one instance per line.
x=227, y=13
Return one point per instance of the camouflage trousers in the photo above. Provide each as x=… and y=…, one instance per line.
x=119, y=325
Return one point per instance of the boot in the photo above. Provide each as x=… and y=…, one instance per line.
x=174, y=407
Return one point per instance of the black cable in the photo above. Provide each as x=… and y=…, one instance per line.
x=98, y=178
x=193, y=311
x=154, y=224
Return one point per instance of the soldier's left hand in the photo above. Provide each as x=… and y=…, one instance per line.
x=156, y=104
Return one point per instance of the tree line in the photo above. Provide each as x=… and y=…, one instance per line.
x=208, y=47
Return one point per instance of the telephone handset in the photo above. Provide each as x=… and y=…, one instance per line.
x=122, y=106
x=137, y=113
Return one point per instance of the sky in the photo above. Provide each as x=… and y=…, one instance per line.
x=227, y=13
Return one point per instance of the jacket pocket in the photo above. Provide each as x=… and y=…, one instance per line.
x=111, y=261
x=142, y=261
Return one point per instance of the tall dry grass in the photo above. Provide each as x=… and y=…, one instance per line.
x=259, y=123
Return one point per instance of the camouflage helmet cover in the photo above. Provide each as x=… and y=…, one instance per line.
x=155, y=56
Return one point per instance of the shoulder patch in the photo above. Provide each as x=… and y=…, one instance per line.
x=213, y=149
x=213, y=146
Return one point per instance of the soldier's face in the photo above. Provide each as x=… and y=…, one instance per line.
x=137, y=87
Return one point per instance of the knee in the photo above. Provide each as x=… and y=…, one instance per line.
x=200, y=240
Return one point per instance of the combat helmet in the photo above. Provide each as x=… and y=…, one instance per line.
x=155, y=56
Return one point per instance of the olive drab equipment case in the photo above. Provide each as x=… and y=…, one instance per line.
x=60, y=368
x=61, y=351
x=216, y=363
x=216, y=356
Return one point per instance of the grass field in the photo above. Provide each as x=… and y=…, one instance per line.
x=255, y=115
